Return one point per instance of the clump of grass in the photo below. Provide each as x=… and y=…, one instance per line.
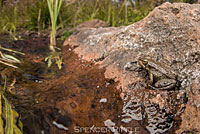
x=54, y=8
x=38, y=16
x=11, y=26
x=113, y=13
x=34, y=14
x=13, y=16
x=9, y=21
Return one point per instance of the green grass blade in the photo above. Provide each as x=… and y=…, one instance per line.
x=12, y=58
x=13, y=51
x=50, y=9
x=9, y=117
x=60, y=3
x=1, y=120
x=18, y=126
x=13, y=125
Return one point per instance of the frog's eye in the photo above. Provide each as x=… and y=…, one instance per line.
x=145, y=62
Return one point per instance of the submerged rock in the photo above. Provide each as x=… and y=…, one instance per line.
x=170, y=35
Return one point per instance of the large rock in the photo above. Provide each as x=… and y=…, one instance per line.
x=170, y=34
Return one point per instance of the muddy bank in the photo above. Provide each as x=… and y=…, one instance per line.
x=169, y=36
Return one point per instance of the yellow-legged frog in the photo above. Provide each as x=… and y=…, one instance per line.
x=161, y=76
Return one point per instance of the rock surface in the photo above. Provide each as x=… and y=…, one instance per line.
x=170, y=35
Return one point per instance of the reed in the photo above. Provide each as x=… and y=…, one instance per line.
x=54, y=8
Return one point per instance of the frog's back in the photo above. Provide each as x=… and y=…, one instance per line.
x=162, y=68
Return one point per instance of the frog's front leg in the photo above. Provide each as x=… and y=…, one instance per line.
x=150, y=78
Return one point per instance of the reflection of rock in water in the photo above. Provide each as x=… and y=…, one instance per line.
x=138, y=106
x=158, y=121
x=132, y=110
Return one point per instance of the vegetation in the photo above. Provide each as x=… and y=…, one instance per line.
x=38, y=16
x=7, y=59
x=54, y=8
x=9, y=119
x=115, y=14
x=34, y=14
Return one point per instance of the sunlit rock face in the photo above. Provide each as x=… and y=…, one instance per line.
x=169, y=35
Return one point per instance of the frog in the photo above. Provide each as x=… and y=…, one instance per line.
x=161, y=76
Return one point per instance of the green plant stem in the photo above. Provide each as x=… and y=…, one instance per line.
x=54, y=8
x=9, y=50
x=8, y=64
x=1, y=121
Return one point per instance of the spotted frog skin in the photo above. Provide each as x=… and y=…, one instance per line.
x=161, y=76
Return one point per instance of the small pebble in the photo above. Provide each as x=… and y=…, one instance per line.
x=60, y=126
x=103, y=100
